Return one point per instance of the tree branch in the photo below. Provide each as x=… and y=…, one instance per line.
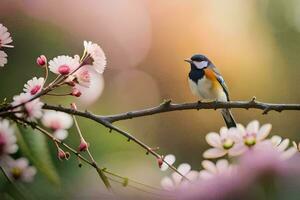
x=167, y=106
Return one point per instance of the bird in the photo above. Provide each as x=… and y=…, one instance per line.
x=206, y=82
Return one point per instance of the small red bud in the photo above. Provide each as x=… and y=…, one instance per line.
x=160, y=162
x=73, y=106
x=41, y=60
x=75, y=92
x=64, y=69
x=83, y=146
x=63, y=155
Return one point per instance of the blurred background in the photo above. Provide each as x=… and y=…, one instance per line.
x=254, y=44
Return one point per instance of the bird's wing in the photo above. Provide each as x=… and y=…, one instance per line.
x=221, y=81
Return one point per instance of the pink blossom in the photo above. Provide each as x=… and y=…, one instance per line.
x=63, y=64
x=19, y=169
x=5, y=38
x=34, y=86
x=33, y=109
x=95, y=55
x=58, y=122
x=7, y=139
x=222, y=143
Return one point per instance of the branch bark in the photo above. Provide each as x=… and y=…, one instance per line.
x=167, y=106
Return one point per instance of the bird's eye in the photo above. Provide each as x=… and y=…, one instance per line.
x=201, y=64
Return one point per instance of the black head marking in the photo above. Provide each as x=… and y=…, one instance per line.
x=199, y=58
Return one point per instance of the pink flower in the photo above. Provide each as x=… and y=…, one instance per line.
x=91, y=94
x=282, y=146
x=83, y=76
x=5, y=38
x=33, y=109
x=63, y=64
x=222, y=167
x=176, y=180
x=250, y=136
x=58, y=122
x=96, y=56
x=7, y=139
x=34, y=86
x=19, y=169
x=3, y=58
x=222, y=143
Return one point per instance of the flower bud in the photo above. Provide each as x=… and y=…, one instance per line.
x=75, y=92
x=73, y=106
x=62, y=155
x=160, y=162
x=64, y=69
x=83, y=146
x=41, y=60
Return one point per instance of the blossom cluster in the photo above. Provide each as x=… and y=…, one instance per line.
x=75, y=73
x=237, y=143
x=18, y=169
x=5, y=40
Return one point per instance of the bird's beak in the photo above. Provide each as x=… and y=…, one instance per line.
x=187, y=60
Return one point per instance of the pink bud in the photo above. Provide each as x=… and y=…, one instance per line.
x=62, y=155
x=64, y=69
x=41, y=60
x=83, y=146
x=73, y=106
x=75, y=92
x=160, y=162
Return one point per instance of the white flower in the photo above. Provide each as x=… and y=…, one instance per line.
x=19, y=169
x=97, y=56
x=170, y=159
x=3, y=58
x=222, y=143
x=7, y=139
x=34, y=85
x=63, y=64
x=282, y=147
x=58, y=122
x=5, y=38
x=171, y=183
x=33, y=109
x=250, y=136
x=222, y=167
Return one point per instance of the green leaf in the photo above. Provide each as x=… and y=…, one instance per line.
x=34, y=146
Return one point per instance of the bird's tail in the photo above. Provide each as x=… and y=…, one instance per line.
x=228, y=118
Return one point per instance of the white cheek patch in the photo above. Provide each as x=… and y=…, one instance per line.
x=201, y=65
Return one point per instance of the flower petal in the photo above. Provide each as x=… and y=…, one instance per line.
x=170, y=159
x=214, y=153
x=264, y=131
x=222, y=165
x=283, y=145
x=213, y=139
x=209, y=166
x=184, y=168
x=275, y=140
x=253, y=127
x=203, y=174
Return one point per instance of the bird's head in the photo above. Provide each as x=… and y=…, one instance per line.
x=198, y=62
